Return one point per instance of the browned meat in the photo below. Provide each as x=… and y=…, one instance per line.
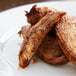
x=50, y=52
x=66, y=32
x=47, y=52
x=36, y=13
x=35, y=37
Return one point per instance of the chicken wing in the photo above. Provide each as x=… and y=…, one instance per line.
x=66, y=36
x=36, y=13
x=50, y=51
x=35, y=37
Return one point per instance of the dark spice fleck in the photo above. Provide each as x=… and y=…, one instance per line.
x=48, y=25
x=25, y=42
x=48, y=40
x=33, y=31
x=42, y=30
x=27, y=37
x=30, y=34
x=46, y=12
x=20, y=52
x=57, y=37
x=32, y=50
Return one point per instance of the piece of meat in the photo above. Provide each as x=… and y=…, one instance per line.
x=66, y=36
x=36, y=13
x=35, y=37
x=50, y=52
x=24, y=31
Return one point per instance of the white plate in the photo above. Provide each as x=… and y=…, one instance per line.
x=41, y=68
x=5, y=69
x=15, y=19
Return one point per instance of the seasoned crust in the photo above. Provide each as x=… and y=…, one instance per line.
x=47, y=52
x=36, y=13
x=33, y=16
x=50, y=52
x=66, y=32
x=35, y=36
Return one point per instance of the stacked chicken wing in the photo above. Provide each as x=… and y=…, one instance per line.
x=51, y=36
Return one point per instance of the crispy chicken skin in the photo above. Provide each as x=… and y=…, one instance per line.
x=50, y=52
x=66, y=36
x=35, y=36
x=36, y=13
